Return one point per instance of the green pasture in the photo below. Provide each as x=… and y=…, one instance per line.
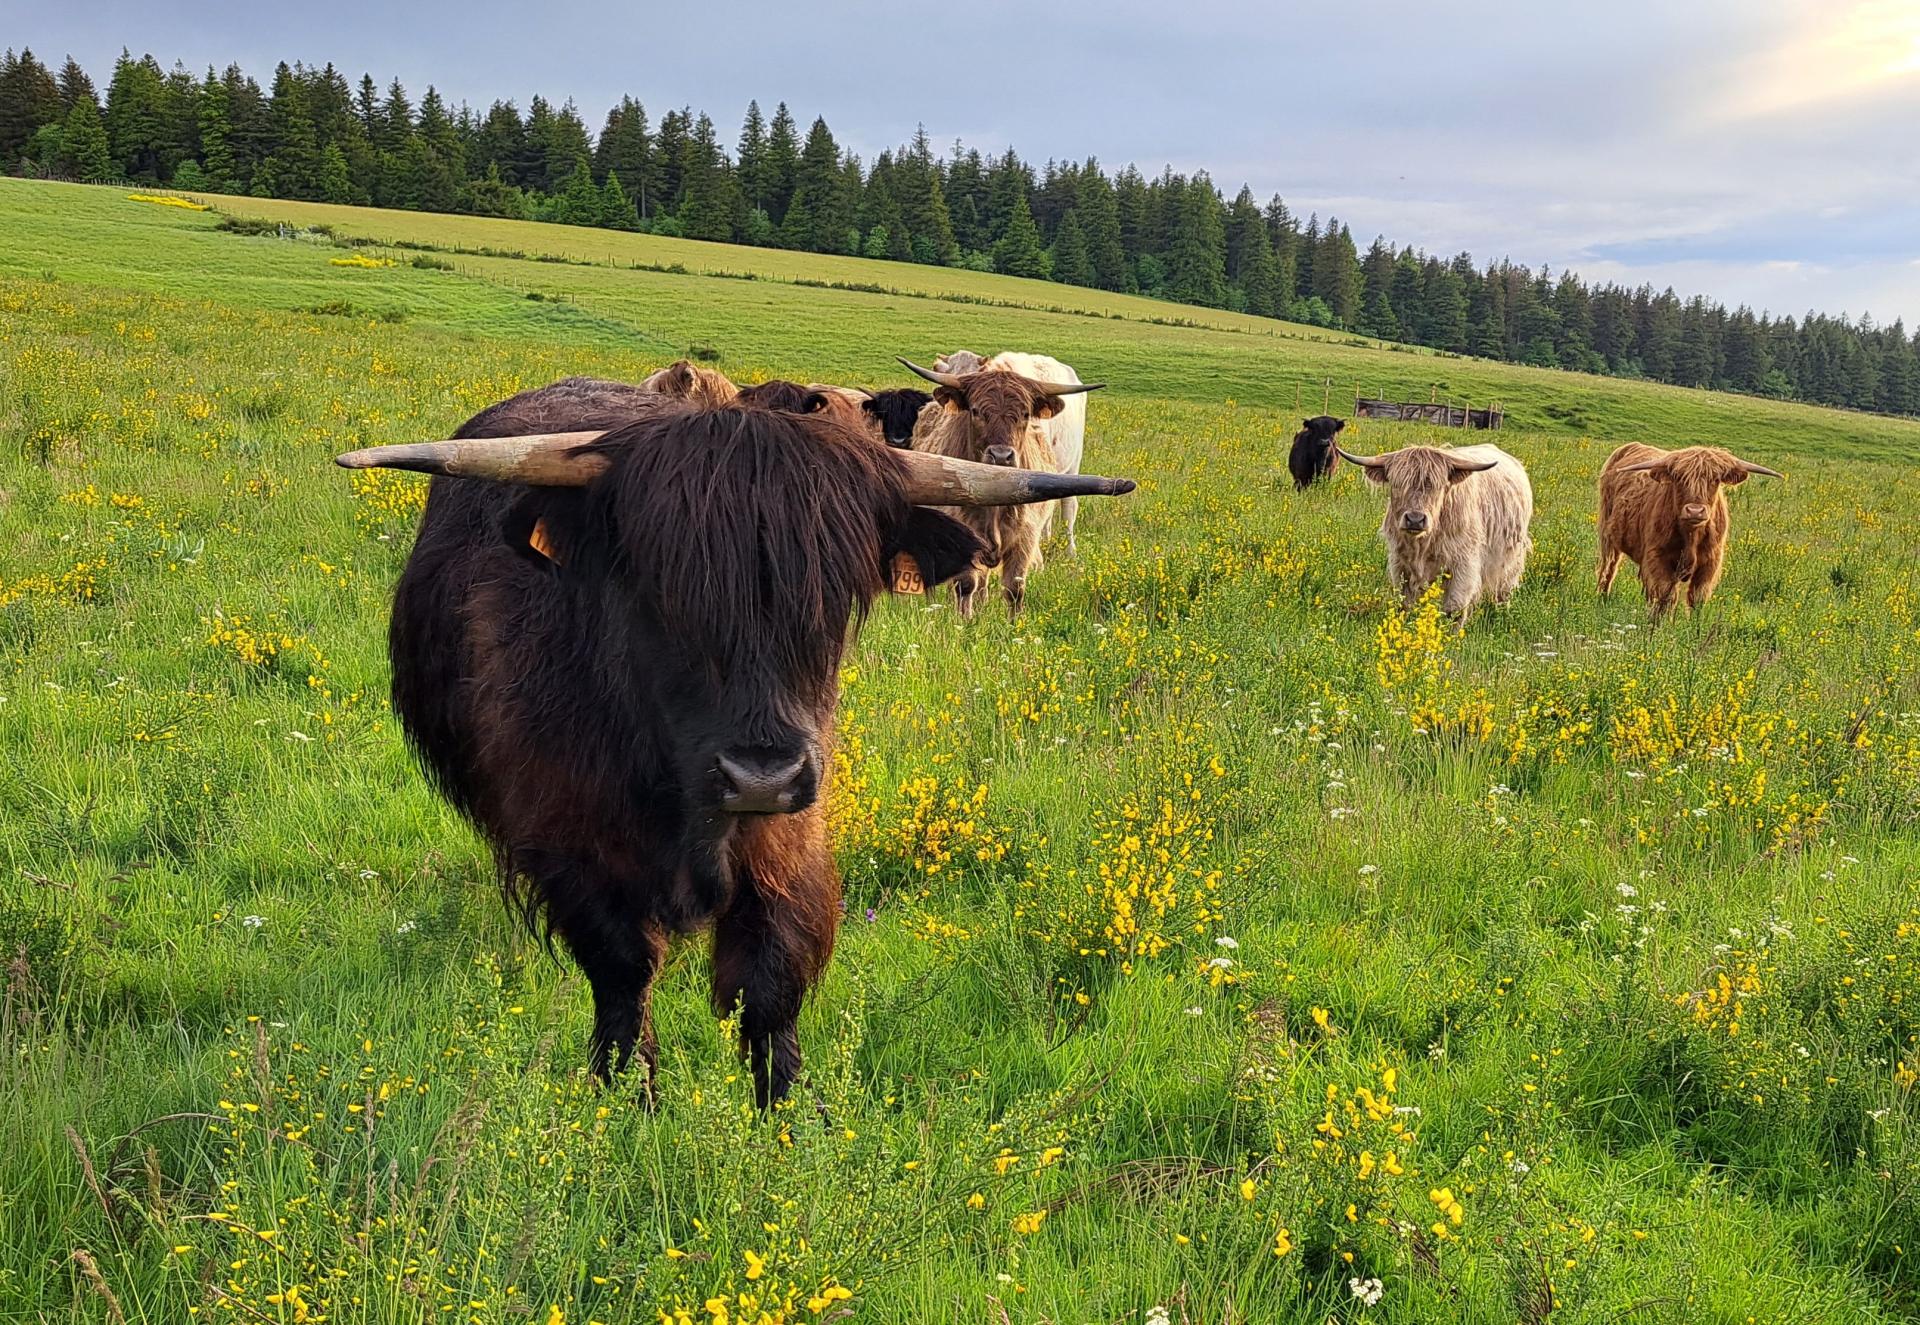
x=1220, y=938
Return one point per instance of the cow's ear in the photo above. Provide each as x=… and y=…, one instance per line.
x=1047, y=406
x=950, y=397
x=1338, y=424
x=941, y=545
x=870, y=406
x=544, y=527
x=1735, y=475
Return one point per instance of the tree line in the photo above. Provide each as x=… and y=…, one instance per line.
x=314, y=135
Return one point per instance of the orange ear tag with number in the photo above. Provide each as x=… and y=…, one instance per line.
x=541, y=543
x=906, y=574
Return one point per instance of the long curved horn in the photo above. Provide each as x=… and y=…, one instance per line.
x=1752, y=468
x=938, y=480
x=954, y=380
x=549, y=460
x=554, y=460
x=1364, y=461
x=1641, y=467
x=1471, y=467
x=1061, y=388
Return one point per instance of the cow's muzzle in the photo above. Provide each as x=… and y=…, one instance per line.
x=1694, y=514
x=999, y=455
x=1414, y=522
x=762, y=781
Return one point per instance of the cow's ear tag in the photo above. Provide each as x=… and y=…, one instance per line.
x=540, y=541
x=906, y=574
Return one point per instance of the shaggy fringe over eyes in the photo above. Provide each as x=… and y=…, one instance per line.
x=1417, y=469
x=756, y=533
x=1701, y=466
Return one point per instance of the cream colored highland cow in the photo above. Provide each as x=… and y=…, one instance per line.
x=1460, y=513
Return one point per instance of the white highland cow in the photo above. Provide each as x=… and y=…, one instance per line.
x=1459, y=513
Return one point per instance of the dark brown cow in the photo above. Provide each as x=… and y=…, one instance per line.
x=616, y=648
x=1666, y=512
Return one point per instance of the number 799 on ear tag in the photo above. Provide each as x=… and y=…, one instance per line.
x=906, y=574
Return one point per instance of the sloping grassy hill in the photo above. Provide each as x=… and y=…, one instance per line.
x=1220, y=938
x=848, y=334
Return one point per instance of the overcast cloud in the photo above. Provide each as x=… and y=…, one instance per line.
x=1759, y=151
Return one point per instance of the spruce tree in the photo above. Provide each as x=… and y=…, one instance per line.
x=1100, y=223
x=669, y=159
x=252, y=137
x=1197, y=260
x=335, y=184
x=1336, y=274
x=216, y=137
x=1243, y=219
x=84, y=153
x=922, y=202
x=29, y=101
x=136, y=126
x=295, y=161
x=1018, y=251
x=1304, y=252
x=781, y=165
x=75, y=86
x=706, y=210
x=1070, y=262
x=578, y=202
x=1260, y=276
x=1284, y=238
x=815, y=218
x=616, y=209
x=1486, y=322
x=750, y=161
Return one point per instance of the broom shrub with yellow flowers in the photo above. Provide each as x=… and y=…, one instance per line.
x=1224, y=939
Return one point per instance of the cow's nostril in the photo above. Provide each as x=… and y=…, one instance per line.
x=999, y=455
x=762, y=781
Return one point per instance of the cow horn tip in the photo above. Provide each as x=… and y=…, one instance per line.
x=356, y=460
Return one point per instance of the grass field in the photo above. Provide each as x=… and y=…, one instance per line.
x=1220, y=939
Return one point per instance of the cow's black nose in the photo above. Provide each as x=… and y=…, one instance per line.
x=762, y=781
x=999, y=455
x=1415, y=520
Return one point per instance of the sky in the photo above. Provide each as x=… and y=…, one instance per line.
x=1762, y=152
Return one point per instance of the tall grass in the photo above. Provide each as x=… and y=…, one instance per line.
x=1220, y=938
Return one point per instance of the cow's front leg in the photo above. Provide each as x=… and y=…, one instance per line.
x=619, y=958
x=1020, y=561
x=1661, y=589
x=966, y=591
x=763, y=961
x=1463, y=591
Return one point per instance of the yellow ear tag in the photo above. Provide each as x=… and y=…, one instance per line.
x=906, y=574
x=539, y=542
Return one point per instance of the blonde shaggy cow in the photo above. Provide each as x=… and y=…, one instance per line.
x=1666, y=511
x=1460, y=513
x=1001, y=414
x=686, y=380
